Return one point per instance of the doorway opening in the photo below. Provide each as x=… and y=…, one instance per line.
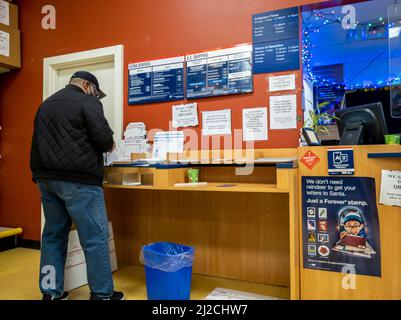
x=106, y=64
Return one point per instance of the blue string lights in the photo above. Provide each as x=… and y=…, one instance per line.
x=312, y=24
x=315, y=20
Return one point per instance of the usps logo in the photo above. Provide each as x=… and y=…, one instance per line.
x=341, y=162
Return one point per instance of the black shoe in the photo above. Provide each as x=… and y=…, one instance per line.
x=116, y=296
x=48, y=296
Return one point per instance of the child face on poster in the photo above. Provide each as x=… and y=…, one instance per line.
x=353, y=228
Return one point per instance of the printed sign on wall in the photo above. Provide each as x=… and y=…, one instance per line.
x=341, y=225
x=4, y=43
x=156, y=81
x=276, y=41
x=219, y=72
x=341, y=162
x=254, y=124
x=390, y=191
x=4, y=12
x=310, y=159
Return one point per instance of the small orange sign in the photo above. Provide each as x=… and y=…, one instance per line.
x=310, y=159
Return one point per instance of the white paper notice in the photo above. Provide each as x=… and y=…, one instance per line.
x=169, y=141
x=4, y=43
x=254, y=124
x=283, y=112
x=390, y=192
x=216, y=122
x=4, y=12
x=134, y=133
x=185, y=115
x=282, y=83
x=135, y=146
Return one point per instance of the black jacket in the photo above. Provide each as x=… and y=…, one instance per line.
x=70, y=136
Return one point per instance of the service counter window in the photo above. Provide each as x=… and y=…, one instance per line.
x=352, y=59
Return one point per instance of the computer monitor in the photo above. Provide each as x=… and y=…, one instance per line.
x=390, y=100
x=365, y=124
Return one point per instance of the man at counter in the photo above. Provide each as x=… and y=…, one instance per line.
x=70, y=136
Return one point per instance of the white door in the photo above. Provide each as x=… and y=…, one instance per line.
x=107, y=64
x=104, y=72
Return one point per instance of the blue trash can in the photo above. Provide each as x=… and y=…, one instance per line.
x=168, y=269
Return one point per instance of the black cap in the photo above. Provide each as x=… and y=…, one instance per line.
x=84, y=75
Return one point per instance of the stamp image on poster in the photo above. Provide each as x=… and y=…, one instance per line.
x=341, y=225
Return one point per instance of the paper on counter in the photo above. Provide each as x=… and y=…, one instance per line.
x=110, y=158
x=4, y=43
x=175, y=142
x=283, y=112
x=227, y=294
x=135, y=130
x=168, y=142
x=123, y=151
x=135, y=133
x=191, y=184
x=135, y=140
x=113, y=156
x=390, y=191
x=254, y=124
x=282, y=83
x=136, y=125
x=134, y=146
x=4, y=12
x=216, y=122
x=185, y=115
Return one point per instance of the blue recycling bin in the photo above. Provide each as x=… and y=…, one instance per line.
x=168, y=270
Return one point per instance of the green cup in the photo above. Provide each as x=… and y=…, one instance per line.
x=392, y=138
x=193, y=175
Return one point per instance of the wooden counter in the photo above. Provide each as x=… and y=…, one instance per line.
x=369, y=162
x=247, y=230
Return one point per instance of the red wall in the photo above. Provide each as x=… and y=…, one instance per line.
x=148, y=29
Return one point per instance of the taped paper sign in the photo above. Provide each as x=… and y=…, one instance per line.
x=216, y=122
x=390, y=192
x=4, y=12
x=255, y=124
x=4, y=43
x=185, y=115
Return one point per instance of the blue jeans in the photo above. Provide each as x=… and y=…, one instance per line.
x=64, y=202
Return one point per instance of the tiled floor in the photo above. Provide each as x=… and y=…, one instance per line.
x=19, y=270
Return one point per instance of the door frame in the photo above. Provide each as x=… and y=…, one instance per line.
x=52, y=65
